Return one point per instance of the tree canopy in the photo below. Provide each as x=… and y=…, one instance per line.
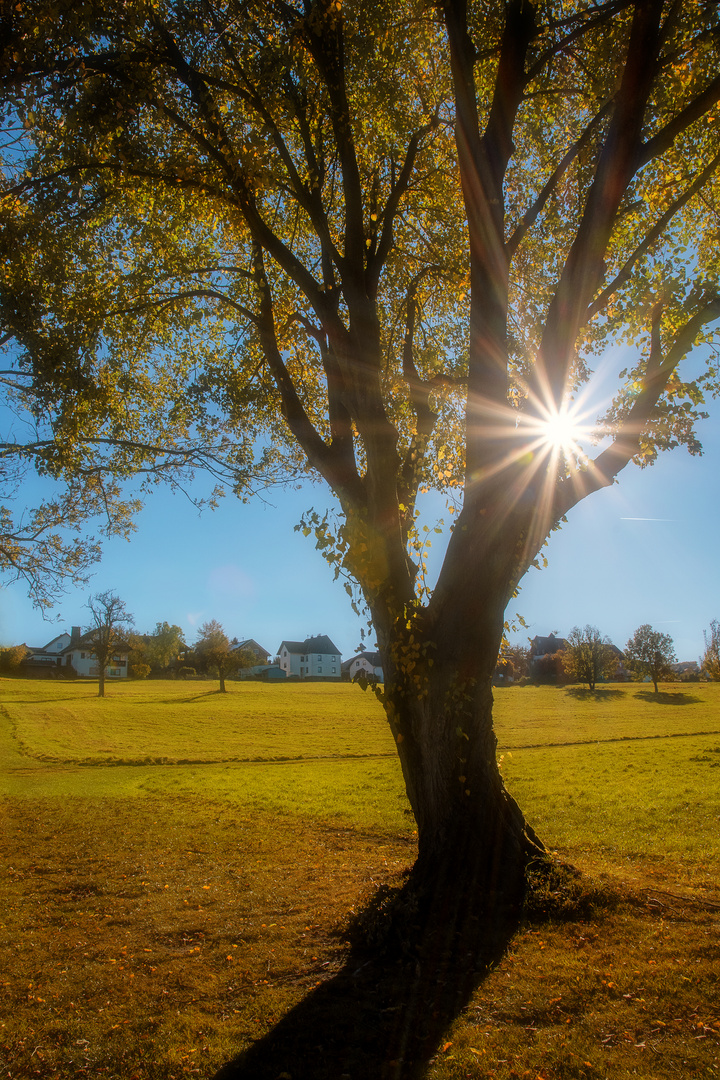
x=589, y=656
x=382, y=245
x=214, y=652
x=710, y=660
x=650, y=652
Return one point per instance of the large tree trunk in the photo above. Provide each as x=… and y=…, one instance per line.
x=474, y=843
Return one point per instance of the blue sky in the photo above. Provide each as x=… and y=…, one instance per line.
x=642, y=551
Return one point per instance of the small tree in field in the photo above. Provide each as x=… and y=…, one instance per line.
x=711, y=658
x=648, y=652
x=589, y=657
x=214, y=652
x=109, y=618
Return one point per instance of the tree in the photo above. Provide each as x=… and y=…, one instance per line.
x=378, y=245
x=12, y=657
x=710, y=662
x=552, y=668
x=648, y=652
x=164, y=647
x=589, y=657
x=109, y=621
x=518, y=656
x=214, y=652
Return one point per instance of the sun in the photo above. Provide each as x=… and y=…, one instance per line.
x=562, y=431
x=557, y=434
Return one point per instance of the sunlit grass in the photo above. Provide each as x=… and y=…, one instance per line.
x=190, y=721
x=157, y=918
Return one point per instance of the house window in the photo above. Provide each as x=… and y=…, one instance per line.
x=334, y=671
x=319, y=657
x=319, y=671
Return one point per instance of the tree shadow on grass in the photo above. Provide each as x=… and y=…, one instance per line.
x=664, y=697
x=383, y=1015
x=188, y=700
x=600, y=693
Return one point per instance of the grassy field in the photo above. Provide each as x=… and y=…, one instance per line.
x=177, y=865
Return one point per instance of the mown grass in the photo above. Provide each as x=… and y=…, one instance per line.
x=154, y=722
x=157, y=918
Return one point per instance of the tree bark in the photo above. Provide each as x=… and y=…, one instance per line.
x=473, y=841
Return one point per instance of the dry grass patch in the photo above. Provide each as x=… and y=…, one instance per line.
x=154, y=938
x=630, y=993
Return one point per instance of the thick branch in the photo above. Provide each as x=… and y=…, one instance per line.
x=323, y=458
x=603, y=470
x=584, y=266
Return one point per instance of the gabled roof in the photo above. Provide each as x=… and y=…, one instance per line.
x=86, y=642
x=251, y=645
x=49, y=647
x=541, y=646
x=321, y=643
x=373, y=658
x=293, y=646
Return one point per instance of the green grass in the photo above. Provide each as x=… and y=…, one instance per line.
x=190, y=721
x=156, y=917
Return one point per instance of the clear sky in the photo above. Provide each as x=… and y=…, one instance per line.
x=645, y=550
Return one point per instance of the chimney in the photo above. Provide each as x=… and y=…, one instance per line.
x=75, y=634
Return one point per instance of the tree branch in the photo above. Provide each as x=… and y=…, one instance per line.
x=617, y=164
x=652, y=236
x=602, y=471
x=530, y=217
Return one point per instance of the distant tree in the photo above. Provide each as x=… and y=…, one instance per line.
x=108, y=630
x=11, y=658
x=214, y=652
x=164, y=646
x=589, y=657
x=648, y=652
x=519, y=657
x=550, y=668
x=138, y=665
x=710, y=662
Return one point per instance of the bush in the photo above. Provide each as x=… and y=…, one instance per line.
x=186, y=673
x=12, y=658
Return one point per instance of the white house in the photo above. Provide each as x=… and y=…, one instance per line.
x=314, y=658
x=74, y=650
x=46, y=656
x=79, y=654
x=368, y=664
